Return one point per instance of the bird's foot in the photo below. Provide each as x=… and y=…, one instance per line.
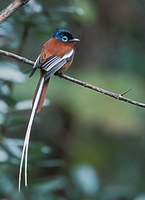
x=58, y=74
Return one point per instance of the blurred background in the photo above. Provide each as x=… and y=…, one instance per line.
x=84, y=145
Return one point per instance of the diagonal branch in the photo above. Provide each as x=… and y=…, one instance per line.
x=84, y=84
x=4, y=14
x=15, y=56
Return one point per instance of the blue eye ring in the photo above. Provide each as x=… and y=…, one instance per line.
x=64, y=38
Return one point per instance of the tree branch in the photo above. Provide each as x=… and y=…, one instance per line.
x=20, y=58
x=84, y=84
x=4, y=14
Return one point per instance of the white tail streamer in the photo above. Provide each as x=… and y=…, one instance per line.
x=27, y=136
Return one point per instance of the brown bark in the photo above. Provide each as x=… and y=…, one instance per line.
x=4, y=14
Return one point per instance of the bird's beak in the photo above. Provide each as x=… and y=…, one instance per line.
x=74, y=40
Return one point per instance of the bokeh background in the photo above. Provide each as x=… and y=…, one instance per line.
x=84, y=145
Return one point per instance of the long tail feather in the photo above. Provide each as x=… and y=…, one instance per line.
x=27, y=136
x=42, y=95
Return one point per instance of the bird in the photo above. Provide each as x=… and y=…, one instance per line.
x=56, y=56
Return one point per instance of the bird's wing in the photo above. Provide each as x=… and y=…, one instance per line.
x=35, y=66
x=54, y=63
x=38, y=63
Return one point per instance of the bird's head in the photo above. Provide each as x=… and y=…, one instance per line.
x=64, y=36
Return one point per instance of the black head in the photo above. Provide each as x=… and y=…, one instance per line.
x=64, y=36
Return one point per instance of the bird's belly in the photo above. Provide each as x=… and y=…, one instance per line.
x=66, y=66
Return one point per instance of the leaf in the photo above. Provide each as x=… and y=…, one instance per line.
x=51, y=185
x=12, y=145
x=85, y=178
x=51, y=163
x=27, y=104
x=3, y=110
x=10, y=72
x=37, y=150
x=3, y=155
x=3, y=107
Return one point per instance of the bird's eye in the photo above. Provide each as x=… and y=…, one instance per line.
x=65, y=38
